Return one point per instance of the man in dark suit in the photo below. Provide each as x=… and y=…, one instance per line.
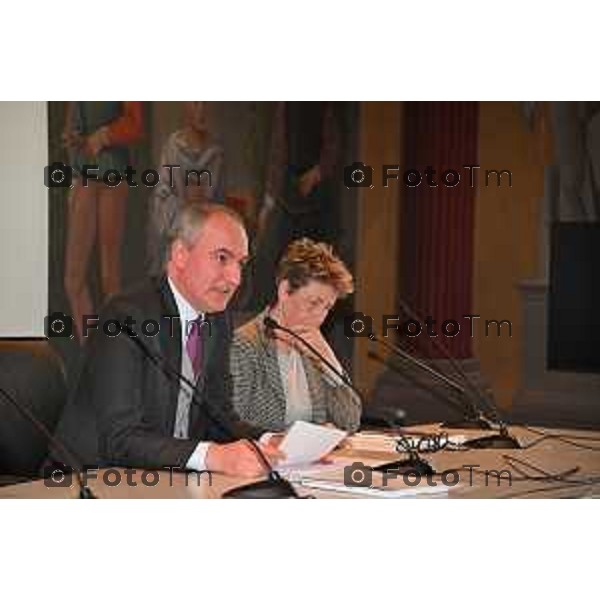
x=130, y=407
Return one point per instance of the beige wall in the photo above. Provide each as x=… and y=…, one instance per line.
x=507, y=233
x=380, y=142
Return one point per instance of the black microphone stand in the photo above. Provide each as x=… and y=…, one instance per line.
x=275, y=486
x=473, y=419
x=501, y=440
x=85, y=493
x=504, y=439
x=414, y=463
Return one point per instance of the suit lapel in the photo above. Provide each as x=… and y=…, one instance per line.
x=211, y=334
x=170, y=340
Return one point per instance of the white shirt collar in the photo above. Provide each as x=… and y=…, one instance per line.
x=187, y=313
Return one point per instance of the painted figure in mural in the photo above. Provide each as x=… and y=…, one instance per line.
x=96, y=133
x=299, y=189
x=575, y=155
x=577, y=136
x=191, y=148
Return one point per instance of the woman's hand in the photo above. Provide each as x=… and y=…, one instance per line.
x=315, y=338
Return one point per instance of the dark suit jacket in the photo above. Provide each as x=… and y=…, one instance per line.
x=123, y=410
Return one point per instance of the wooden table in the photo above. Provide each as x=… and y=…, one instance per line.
x=551, y=455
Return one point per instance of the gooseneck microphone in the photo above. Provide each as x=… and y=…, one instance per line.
x=474, y=415
x=85, y=493
x=438, y=375
x=275, y=486
x=501, y=440
x=414, y=463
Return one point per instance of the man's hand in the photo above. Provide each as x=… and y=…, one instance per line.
x=240, y=459
x=274, y=442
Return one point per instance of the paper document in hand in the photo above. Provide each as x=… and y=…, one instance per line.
x=307, y=443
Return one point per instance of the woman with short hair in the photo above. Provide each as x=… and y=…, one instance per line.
x=276, y=380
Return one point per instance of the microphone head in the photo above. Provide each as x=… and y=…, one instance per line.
x=270, y=323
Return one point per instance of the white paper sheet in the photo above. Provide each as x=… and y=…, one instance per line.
x=306, y=443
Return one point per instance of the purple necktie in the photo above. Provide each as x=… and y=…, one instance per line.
x=194, y=345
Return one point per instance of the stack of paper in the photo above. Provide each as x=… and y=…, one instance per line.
x=372, y=442
x=373, y=491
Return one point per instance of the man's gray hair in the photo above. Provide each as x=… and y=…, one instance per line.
x=190, y=219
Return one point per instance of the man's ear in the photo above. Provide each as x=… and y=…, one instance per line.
x=179, y=253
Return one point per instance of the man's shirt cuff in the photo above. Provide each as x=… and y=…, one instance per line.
x=197, y=461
